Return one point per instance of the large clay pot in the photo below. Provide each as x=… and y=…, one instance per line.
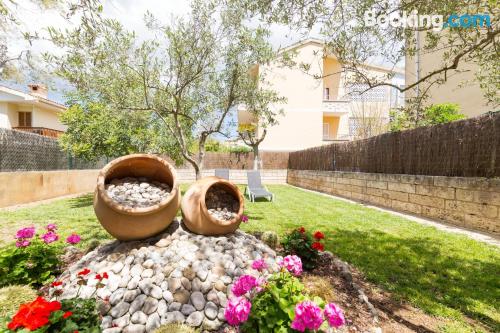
x=127, y=223
x=195, y=213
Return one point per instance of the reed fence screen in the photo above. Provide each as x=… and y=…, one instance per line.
x=466, y=148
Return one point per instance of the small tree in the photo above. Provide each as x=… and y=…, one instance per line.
x=369, y=119
x=262, y=104
x=95, y=131
x=432, y=115
x=189, y=77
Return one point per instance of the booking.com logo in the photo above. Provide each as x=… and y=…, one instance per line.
x=436, y=22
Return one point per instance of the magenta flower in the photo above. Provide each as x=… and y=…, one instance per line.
x=23, y=243
x=51, y=227
x=334, y=315
x=244, y=218
x=237, y=310
x=307, y=316
x=50, y=237
x=292, y=263
x=73, y=239
x=244, y=284
x=259, y=265
x=28, y=232
x=261, y=281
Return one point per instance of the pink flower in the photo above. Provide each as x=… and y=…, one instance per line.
x=51, y=227
x=244, y=218
x=307, y=316
x=292, y=263
x=73, y=239
x=261, y=281
x=23, y=243
x=259, y=265
x=243, y=285
x=50, y=237
x=28, y=232
x=334, y=315
x=237, y=310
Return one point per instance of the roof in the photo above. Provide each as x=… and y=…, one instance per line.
x=32, y=99
x=319, y=42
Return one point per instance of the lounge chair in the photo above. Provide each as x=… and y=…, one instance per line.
x=222, y=173
x=255, y=189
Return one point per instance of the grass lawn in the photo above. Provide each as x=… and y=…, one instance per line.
x=444, y=274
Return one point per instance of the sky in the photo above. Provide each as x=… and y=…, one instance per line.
x=129, y=12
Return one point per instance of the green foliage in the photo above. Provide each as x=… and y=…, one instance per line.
x=175, y=328
x=270, y=238
x=442, y=114
x=300, y=242
x=96, y=131
x=84, y=318
x=432, y=115
x=12, y=296
x=217, y=146
x=34, y=265
x=273, y=309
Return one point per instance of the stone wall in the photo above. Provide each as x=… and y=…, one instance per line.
x=28, y=186
x=467, y=202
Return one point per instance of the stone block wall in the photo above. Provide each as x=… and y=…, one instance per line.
x=29, y=186
x=467, y=202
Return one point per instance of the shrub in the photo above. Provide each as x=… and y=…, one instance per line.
x=270, y=238
x=301, y=243
x=34, y=260
x=175, y=328
x=277, y=302
x=12, y=296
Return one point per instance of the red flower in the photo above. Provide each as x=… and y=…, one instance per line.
x=104, y=275
x=98, y=277
x=318, y=246
x=33, y=315
x=56, y=283
x=319, y=235
x=84, y=272
x=67, y=314
x=302, y=230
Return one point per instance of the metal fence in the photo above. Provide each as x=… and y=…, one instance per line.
x=22, y=151
x=467, y=148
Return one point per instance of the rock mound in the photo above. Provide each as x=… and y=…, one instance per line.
x=175, y=277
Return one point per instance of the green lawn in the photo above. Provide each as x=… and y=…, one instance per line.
x=444, y=274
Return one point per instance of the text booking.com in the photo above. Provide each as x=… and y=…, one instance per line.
x=436, y=22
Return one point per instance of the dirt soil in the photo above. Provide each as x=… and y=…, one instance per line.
x=392, y=316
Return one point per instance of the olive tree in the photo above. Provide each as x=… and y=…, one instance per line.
x=190, y=75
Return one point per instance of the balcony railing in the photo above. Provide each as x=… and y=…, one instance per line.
x=49, y=132
x=339, y=106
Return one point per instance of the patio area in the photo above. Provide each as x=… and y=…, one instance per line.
x=450, y=277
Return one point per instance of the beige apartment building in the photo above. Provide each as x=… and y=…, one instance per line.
x=30, y=112
x=321, y=111
x=461, y=86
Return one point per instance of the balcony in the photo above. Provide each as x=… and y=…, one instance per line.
x=48, y=132
x=338, y=107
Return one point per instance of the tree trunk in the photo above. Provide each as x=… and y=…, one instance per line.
x=257, y=163
x=201, y=157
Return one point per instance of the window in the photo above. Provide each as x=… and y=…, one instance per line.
x=326, y=131
x=326, y=94
x=24, y=119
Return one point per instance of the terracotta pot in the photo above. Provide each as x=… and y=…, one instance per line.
x=127, y=223
x=195, y=213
